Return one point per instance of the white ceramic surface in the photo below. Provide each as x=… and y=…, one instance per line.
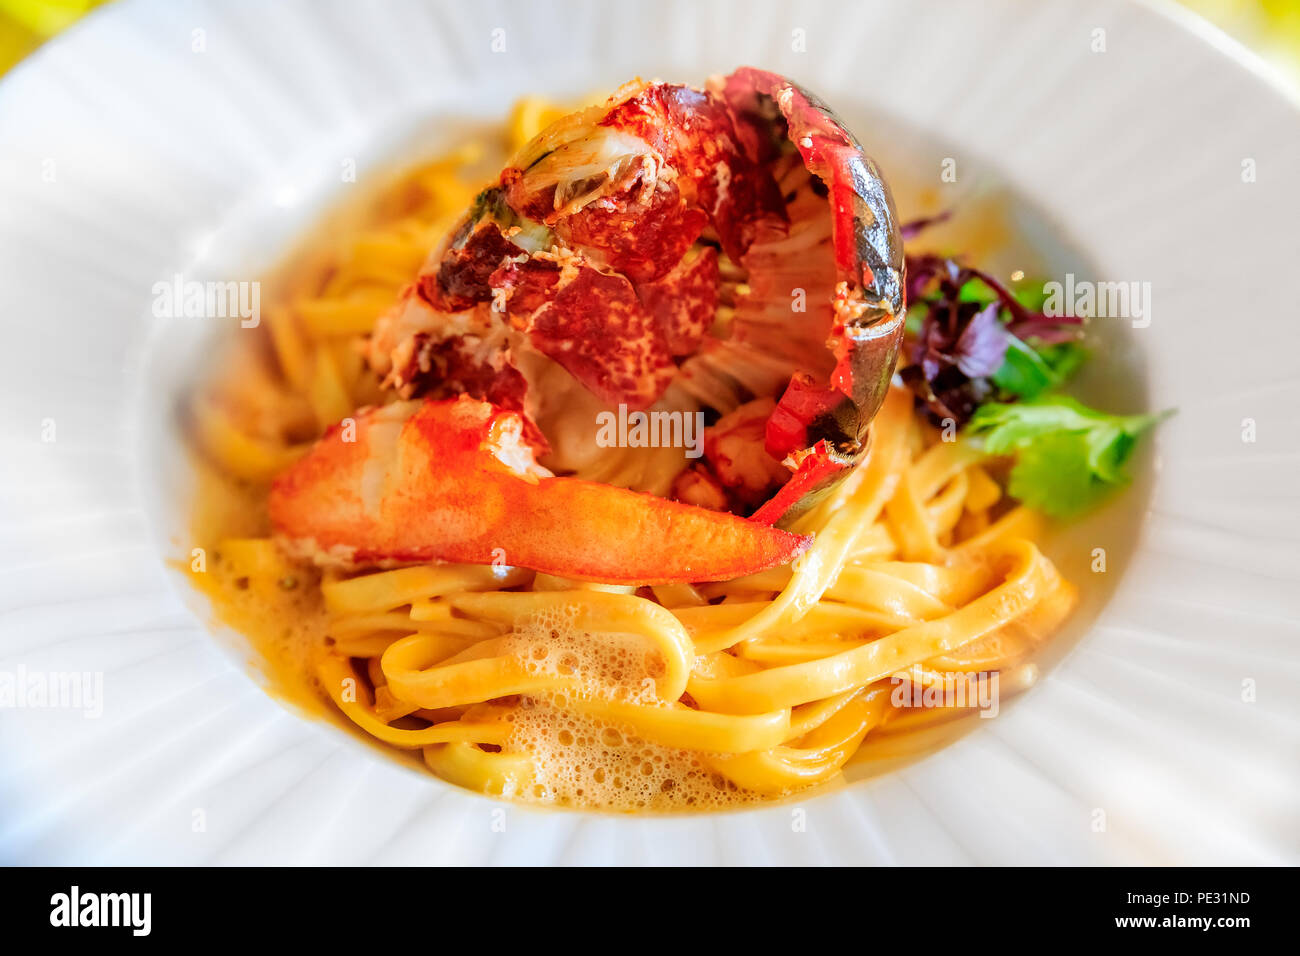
x=128, y=154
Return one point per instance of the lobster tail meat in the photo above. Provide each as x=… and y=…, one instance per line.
x=695, y=132
x=581, y=308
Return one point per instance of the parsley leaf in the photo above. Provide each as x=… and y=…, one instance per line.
x=1027, y=372
x=1067, y=455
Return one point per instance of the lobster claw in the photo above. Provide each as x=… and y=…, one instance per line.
x=453, y=480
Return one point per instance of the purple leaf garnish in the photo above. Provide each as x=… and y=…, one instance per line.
x=962, y=343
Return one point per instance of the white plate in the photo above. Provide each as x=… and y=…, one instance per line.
x=159, y=137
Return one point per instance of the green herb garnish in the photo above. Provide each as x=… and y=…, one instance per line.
x=1067, y=455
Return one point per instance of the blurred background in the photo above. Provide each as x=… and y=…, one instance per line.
x=1269, y=27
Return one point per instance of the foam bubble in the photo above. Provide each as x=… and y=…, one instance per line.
x=583, y=761
x=622, y=667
